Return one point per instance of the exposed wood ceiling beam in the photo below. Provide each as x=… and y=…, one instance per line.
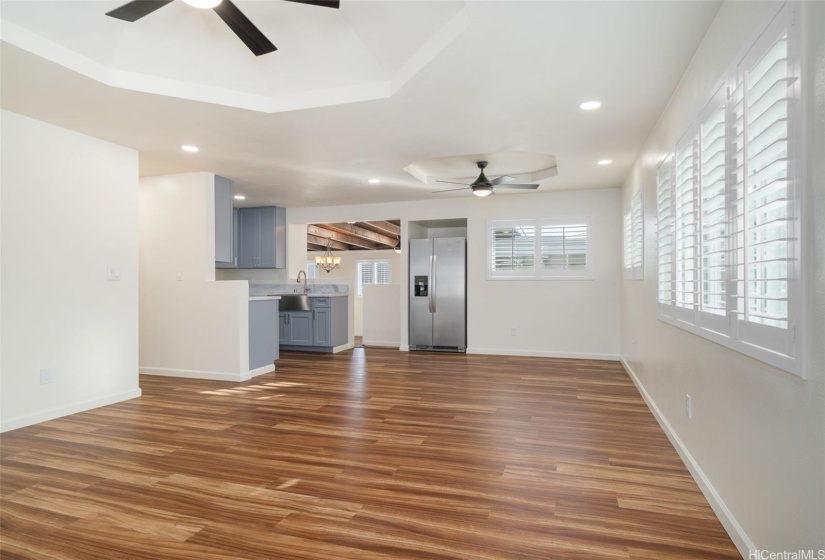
x=353, y=230
x=381, y=226
x=336, y=235
x=321, y=241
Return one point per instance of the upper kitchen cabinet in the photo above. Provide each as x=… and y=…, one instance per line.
x=223, y=221
x=262, y=237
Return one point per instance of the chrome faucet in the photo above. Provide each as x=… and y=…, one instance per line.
x=306, y=290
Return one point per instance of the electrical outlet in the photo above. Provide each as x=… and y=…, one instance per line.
x=180, y=276
x=45, y=376
x=688, y=408
x=513, y=331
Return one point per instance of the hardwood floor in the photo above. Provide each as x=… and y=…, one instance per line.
x=367, y=454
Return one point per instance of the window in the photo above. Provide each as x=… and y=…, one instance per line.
x=550, y=248
x=634, y=238
x=727, y=230
x=312, y=270
x=372, y=272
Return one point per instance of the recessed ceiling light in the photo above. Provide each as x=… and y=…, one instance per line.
x=188, y=148
x=374, y=181
x=590, y=105
x=240, y=197
x=605, y=161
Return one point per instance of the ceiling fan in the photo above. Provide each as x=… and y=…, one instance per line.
x=484, y=186
x=229, y=13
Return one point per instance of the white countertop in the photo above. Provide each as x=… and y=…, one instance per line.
x=263, y=298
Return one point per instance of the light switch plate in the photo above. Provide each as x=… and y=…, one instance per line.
x=113, y=274
x=45, y=376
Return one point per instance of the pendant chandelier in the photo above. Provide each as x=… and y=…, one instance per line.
x=326, y=261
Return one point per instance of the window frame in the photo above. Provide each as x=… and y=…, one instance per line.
x=537, y=272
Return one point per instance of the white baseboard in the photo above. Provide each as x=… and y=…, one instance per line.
x=542, y=354
x=192, y=374
x=258, y=371
x=74, y=408
x=405, y=348
x=395, y=344
x=341, y=348
x=737, y=534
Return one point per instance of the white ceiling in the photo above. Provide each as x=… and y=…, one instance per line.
x=510, y=80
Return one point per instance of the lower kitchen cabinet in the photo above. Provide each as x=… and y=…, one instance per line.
x=321, y=329
x=296, y=328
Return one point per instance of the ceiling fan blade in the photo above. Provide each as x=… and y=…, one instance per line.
x=243, y=28
x=452, y=183
x=449, y=190
x=325, y=3
x=518, y=186
x=136, y=9
x=503, y=179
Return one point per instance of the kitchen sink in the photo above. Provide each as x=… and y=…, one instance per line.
x=296, y=302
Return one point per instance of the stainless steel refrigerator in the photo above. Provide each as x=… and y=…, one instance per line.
x=438, y=294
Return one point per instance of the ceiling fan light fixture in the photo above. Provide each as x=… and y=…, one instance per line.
x=482, y=190
x=203, y=4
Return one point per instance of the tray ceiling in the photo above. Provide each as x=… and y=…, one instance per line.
x=365, y=50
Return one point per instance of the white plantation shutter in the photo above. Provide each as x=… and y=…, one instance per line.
x=627, y=227
x=664, y=236
x=513, y=247
x=382, y=272
x=637, y=245
x=634, y=239
x=563, y=247
x=365, y=276
x=686, y=213
x=727, y=218
x=312, y=269
x=713, y=218
x=550, y=248
x=765, y=231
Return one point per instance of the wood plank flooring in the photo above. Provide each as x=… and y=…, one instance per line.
x=367, y=454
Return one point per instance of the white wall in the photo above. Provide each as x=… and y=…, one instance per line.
x=192, y=327
x=69, y=211
x=382, y=324
x=756, y=440
x=553, y=318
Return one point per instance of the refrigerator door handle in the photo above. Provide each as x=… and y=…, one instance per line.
x=435, y=283
x=431, y=301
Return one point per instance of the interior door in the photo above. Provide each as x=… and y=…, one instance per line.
x=421, y=319
x=449, y=292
